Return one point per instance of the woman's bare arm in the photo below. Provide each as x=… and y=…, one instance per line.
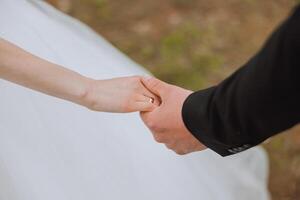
x=115, y=95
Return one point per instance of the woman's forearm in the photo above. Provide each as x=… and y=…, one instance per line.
x=126, y=94
x=23, y=68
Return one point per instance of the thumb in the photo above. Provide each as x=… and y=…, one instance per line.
x=154, y=85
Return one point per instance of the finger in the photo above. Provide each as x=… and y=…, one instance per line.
x=181, y=152
x=170, y=146
x=151, y=98
x=154, y=85
x=150, y=120
x=160, y=138
x=156, y=99
x=144, y=98
x=178, y=149
x=200, y=147
x=144, y=106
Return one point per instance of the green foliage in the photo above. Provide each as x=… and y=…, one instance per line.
x=103, y=10
x=186, y=57
x=100, y=3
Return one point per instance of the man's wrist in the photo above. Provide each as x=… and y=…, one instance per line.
x=184, y=116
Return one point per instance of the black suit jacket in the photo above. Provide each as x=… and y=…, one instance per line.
x=258, y=101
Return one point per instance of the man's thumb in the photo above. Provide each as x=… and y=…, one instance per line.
x=154, y=85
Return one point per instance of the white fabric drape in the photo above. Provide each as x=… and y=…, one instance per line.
x=53, y=149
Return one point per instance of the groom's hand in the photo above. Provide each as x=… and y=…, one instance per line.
x=165, y=122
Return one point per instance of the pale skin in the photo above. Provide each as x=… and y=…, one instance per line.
x=126, y=94
x=159, y=103
x=165, y=121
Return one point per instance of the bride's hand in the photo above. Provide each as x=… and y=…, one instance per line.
x=126, y=94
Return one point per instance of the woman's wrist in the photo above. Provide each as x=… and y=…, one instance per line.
x=83, y=96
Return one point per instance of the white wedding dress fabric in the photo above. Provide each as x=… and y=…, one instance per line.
x=51, y=149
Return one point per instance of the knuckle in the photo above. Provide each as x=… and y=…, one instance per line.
x=153, y=126
x=156, y=128
x=135, y=79
x=169, y=147
x=154, y=84
x=158, y=138
x=180, y=152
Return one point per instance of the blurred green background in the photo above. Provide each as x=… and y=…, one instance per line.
x=195, y=44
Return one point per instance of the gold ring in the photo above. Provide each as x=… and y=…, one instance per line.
x=151, y=100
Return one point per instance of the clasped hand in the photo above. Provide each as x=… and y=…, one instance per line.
x=159, y=104
x=165, y=121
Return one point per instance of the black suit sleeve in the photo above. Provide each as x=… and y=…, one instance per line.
x=258, y=101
